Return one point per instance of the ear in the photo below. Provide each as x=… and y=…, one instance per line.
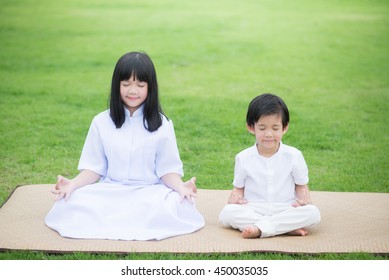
x=250, y=128
x=285, y=129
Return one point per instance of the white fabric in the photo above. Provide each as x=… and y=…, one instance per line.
x=131, y=154
x=269, y=187
x=130, y=202
x=271, y=219
x=270, y=179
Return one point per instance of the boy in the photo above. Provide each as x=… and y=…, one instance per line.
x=270, y=195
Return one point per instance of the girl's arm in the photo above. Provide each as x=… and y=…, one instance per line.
x=186, y=189
x=64, y=187
x=303, y=196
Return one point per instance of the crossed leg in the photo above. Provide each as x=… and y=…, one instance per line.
x=251, y=231
x=253, y=224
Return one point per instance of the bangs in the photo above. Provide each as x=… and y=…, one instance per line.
x=136, y=68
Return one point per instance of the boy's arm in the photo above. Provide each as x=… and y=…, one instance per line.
x=303, y=196
x=237, y=196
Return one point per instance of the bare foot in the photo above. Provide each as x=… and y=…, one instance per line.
x=298, y=232
x=251, y=231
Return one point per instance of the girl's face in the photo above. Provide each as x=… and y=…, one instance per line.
x=268, y=133
x=133, y=93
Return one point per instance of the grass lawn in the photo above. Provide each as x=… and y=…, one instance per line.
x=327, y=59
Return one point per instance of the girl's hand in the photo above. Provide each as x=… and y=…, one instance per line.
x=188, y=190
x=63, y=188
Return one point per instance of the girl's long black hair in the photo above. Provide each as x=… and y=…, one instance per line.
x=142, y=68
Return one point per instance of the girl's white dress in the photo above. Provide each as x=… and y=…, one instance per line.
x=130, y=202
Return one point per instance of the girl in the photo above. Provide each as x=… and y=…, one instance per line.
x=129, y=186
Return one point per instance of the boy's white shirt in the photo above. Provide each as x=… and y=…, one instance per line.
x=270, y=179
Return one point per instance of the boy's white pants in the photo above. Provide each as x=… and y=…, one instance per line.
x=271, y=219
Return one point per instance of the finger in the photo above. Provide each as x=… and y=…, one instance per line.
x=59, y=181
x=59, y=196
x=190, y=199
x=242, y=201
x=55, y=192
x=297, y=203
x=183, y=197
x=193, y=182
x=193, y=194
x=67, y=195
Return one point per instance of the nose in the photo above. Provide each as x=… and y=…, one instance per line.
x=132, y=91
x=268, y=134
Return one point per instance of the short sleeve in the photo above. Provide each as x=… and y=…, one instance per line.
x=167, y=156
x=300, y=170
x=239, y=174
x=93, y=156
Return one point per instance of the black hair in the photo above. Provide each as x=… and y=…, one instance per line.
x=140, y=66
x=264, y=105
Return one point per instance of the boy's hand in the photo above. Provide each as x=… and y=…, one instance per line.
x=236, y=196
x=302, y=196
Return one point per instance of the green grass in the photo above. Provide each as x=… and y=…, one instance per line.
x=29, y=255
x=327, y=59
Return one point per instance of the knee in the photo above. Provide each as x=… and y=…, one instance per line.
x=227, y=214
x=314, y=214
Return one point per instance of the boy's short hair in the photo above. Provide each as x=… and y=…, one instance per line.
x=264, y=105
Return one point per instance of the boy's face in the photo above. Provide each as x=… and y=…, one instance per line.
x=268, y=133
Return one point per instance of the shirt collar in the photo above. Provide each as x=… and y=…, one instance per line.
x=280, y=149
x=137, y=113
